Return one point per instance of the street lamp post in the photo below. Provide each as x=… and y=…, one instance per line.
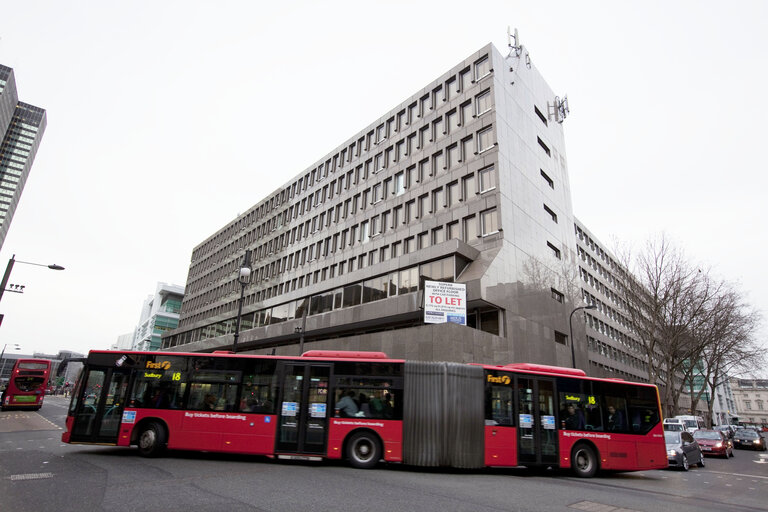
x=570, y=324
x=243, y=277
x=301, y=329
x=8, y=269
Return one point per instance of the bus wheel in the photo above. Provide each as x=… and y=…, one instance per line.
x=152, y=440
x=584, y=461
x=363, y=450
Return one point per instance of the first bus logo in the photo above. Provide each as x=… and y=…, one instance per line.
x=504, y=379
x=160, y=365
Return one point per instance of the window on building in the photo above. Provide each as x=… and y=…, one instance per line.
x=483, y=102
x=452, y=194
x=558, y=296
x=438, y=200
x=399, y=183
x=552, y=214
x=485, y=139
x=482, y=67
x=487, y=179
x=468, y=187
x=547, y=179
x=470, y=229
x=489, y=221
x=555, y=250
x=452, y=230
x=561, y=338
x=541, y=116
x=544, y=146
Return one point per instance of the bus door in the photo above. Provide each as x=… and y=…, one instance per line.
x=99, y=407
x=537, y=433
x=303, y=408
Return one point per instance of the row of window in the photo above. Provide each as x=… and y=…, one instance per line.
x=581, y=235
x=471, y=229
x=395, y=185
x=367, y=142
x=447, y=196
x=611, y=352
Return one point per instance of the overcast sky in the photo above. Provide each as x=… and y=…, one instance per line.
x=166, y=119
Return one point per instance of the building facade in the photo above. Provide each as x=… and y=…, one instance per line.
x=464, y=181
x=159, y=314
x=21, y=128
x=751, y=396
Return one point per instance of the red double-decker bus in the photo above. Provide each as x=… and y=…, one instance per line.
x=26, y=385
x=365, y=407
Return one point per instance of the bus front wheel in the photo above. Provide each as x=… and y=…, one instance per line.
x=152, y=439
x=363, y=450
x=584, y=461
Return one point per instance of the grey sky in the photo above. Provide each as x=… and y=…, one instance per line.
x=167, y=119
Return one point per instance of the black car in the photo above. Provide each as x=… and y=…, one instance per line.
x=746, y=438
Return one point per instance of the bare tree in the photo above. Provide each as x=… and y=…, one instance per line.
x=665, y=297
x=726, y=335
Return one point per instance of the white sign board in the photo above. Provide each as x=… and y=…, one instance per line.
x=445, y=302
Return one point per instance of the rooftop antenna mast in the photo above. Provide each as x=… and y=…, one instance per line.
x=517, y=48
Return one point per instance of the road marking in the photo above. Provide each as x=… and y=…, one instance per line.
x=591, y=506
x=740, y=474
x=31, y=476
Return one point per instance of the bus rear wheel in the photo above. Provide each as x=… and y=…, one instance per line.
x=363, y=450
x=152, y=439
x=584, y=461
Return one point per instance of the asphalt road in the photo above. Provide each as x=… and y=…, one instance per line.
x=39, y=473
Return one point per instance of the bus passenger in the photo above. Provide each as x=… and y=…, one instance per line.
x=209, y=402
x=574, y=420
x=347, y=406
x=615, y=419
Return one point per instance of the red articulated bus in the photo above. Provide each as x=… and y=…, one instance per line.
x=27, y=385
x=365, y=407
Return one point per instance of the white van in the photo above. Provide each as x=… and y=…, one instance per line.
x=692, y=423
x=674, y=425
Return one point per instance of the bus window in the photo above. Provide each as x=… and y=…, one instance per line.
x=259, y=383
x=572, y=404
x=370, y=397
x=499, y=399
x=616, y=414
x=213, y=390
x=160, y=384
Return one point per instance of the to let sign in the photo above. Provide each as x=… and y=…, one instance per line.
x=445, y=302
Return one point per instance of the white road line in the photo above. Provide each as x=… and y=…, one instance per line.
x=739, y=474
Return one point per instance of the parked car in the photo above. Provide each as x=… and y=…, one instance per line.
x=683, y=450
x=674, y=425
x=748, y=438
x=714, y=442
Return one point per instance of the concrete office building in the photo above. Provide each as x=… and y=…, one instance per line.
x=464, y=181
x=159, y=314
x=21, y=128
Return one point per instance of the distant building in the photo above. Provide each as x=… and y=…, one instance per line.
x=124, y=342
x=751, y=397
x=21, y=128
x=159, y=314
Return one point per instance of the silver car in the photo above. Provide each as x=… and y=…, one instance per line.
x=683, y=450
